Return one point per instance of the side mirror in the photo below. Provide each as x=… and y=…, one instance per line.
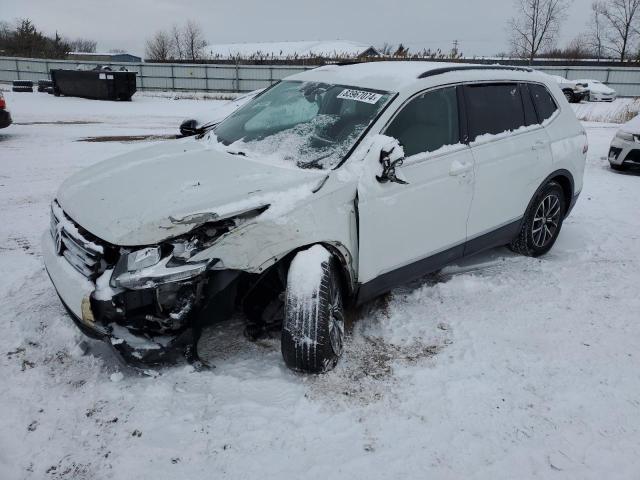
x=189, y=128
x=389, y=167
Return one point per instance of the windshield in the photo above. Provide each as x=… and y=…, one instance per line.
x=308, y=124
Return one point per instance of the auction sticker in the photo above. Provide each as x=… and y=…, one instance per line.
x=360, y=96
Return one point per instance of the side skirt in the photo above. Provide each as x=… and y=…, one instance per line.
x=388, y=281
x=496, y=238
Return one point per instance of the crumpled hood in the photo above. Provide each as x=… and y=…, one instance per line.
x=159, y=192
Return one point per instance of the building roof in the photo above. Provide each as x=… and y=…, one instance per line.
x=287, y=50
x=102, y=54
x=392, y=76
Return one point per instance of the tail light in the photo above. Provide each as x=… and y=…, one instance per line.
x=3, y=104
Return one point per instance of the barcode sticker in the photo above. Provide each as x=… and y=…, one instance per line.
x=360, y=96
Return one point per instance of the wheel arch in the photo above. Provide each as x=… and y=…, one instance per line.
x=336, y=249
x=565, y=179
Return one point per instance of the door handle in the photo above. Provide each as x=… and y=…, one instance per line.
x=539, y=145
x=459, y=168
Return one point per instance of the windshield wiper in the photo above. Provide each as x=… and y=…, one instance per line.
x=313, y=163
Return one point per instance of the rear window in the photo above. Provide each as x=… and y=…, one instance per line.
x=544, y=102
x=494, y=109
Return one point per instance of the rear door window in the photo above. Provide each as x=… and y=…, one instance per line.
x=493, y=109
x=544, y=102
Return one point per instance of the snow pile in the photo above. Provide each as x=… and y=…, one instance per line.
x=620, y=110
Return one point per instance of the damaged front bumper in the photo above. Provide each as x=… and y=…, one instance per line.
x=129, y=322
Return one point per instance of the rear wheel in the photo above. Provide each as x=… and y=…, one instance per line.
x=313, y=328
x=542, y=222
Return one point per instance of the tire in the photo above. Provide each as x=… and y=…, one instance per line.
x=23, y=83
x=619, y=168
x=568, y=95
x=22, y=89
x=542, y=222
x=313, y=329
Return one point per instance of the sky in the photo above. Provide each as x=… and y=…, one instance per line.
x=478, y=25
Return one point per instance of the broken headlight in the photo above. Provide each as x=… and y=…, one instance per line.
x=158, y=274
x=169, y=262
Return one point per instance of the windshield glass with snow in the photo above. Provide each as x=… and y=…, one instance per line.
x=308, y=124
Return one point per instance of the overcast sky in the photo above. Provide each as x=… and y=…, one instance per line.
x=479, y=25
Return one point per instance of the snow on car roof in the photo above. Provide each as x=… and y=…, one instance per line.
x=392, y=76
x=596, y=86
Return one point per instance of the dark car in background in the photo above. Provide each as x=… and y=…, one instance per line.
x=5, y=116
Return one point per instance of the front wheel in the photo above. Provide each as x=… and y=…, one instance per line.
x=542, y=222
x=313, y=328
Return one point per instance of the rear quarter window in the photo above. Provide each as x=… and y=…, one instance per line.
x=493, y=108
x=544, y=102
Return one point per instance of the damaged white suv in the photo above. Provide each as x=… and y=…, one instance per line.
x=326, y=190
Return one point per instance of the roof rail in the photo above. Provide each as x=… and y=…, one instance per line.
x=440, y=71
x=347, y=62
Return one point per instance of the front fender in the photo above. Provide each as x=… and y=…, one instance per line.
x=327, y=216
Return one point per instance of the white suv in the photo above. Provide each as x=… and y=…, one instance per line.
x=326, y=190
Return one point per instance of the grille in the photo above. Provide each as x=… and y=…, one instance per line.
x=85, y=254
x=633, y=156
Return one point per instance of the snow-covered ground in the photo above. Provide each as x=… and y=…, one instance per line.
x=500, y=367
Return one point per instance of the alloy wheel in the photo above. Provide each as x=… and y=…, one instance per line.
x=546, y=221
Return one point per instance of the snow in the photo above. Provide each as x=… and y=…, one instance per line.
x=620, y=110
x=498, y=367
x=306, y=271
x=488, y=137
x=103, y=290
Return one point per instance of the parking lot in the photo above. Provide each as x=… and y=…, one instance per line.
x=498, y=364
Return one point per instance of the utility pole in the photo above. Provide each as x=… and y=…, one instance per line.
x=454, y=50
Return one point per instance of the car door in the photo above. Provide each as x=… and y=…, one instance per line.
x=511, y=157
x=406, y=229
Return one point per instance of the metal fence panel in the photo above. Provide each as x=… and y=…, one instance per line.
x=244, y=78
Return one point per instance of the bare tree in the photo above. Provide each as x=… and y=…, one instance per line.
x=595, y=35
x=193, y=40
x=401, y=51
x=159, y=46
x=621, y=24
x=82, y=45
x=385, y=50
x=535, y=26
x=177, y=43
